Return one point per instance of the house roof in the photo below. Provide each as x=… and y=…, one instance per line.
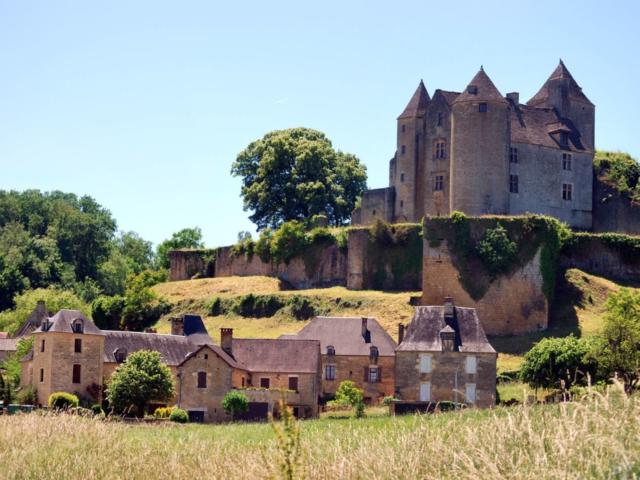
x=277, y=355
x=218, y=351
x=535, y=125
x=172, y=348
x=34, y=320
x=61, y=323
x=345, y=335
x=486, y=90
x=7, y=346
x=418, y=103
x=562, y=76
x=423, y=333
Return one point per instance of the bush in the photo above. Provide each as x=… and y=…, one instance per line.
x=97, y=409
x=63, y=401
x=497, y=251
x=178, y=415
x=301, y=308
x=388, y=400
x=163, y=412
x=107, y=312
x=256, y=306
x=288, y=241
x=235, y=402
x=349, y=394
x=28, y=396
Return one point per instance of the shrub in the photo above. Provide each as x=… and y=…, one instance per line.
x=63, y=401
x=256, y=306
x=388, y=400
x=497, y=251
x=28, y=396
x=348, y=393
x=107, y=311
x=163, y=412
x=235, y=402
x=301, y=308
x=288, y=241
x=178, y=415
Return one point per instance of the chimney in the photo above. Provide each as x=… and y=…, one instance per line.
x=448, y=339
x=226, y=340
x=177, y=326
x=365, y=331
x=449, y=309
x=41, y=307
x=514, y=97
x=400, y=333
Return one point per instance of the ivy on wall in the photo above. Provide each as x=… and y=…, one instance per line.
x=627, y=246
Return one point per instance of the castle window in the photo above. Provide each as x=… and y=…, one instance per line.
x=401, y=203
x=41, y=375
x=331, y=350
x=440, y=119
x=77, y=345
x=567, y=191
x=471, y=364
x=513, y=155
x=482, y=107
x=373, y=212
x=372, y=374
x=401, y=177
x=513, y=183
x=202, y=379
x=76, y=373
x=42, y=346
x=77, y=325
x=264, y=382
x=438, y=184
x=403, y=128
x=472, y=89
x=440, y=150
x=566, y=161
x=564, y=138
x=293, y=383
x=120, y=354
x=403, y=149
x=329, y=372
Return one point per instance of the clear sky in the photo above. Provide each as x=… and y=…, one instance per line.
x=144, y=105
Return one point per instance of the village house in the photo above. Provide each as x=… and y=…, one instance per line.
x=356, y=349
x=444, y=355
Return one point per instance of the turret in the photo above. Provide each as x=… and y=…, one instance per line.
x=410, y=151
x=563, y=93
x=480, y=142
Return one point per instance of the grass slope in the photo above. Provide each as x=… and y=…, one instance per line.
x=598, y=438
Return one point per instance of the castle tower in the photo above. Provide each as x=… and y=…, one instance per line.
x=479, y=151
x=405, y=174
x=563, y=93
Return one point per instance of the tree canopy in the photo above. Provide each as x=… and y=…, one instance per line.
x=296, y=173
x=185, y=238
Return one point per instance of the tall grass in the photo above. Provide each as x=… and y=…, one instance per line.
x=595, y=438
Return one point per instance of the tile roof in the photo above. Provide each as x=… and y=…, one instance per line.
x=7, y=347
x=534, y=125
x=560, y=75
x=448, y=96
x=418, y=103
x=61, y=322
x=423, y=333
x=277, y=355
x=172, y=348
x=487, y=91
x=345, y=335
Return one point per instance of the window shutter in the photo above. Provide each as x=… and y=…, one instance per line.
x=366, y=374
x=379, y=374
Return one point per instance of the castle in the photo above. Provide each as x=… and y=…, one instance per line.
x=480, y=152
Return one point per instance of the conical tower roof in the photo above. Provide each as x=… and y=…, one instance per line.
x=485, y=90
x=560, y=75
x=417, y=106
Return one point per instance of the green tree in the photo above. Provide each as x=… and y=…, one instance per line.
x=296, y=173
x=235, y=402
x=142, y=308
x=107, y=312
x=140, y=379
x=496, y=250
x=348, y=394
x=619, y=350
x=185, y=238
x=6, y=389
x=12, y=365
x=558, y=362
x=138, y=252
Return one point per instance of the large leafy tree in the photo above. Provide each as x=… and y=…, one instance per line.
x=140, y=379
x=296, y=173
x=185, y=238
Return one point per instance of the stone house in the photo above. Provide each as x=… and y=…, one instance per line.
x=356, y=349
x=445, y=356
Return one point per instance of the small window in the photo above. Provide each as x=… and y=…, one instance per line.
x=41, y=375
x=206, y=356
x=403, y=128
x=482, y=107
x=403, y=149
x=264, y=382
x=513, y=183
x=331, y=350
x=202, y=379
x=77, y=345
x=76, y=373
x=425, y=392
x=471, y=364
x=440, y=150
x=567, y=191
x=566, y=161
x=374, y=375
x=438, y=184
x=401, y=203
x=42, y=346
x=120, y=355
x=470, y=392
x=425, y=363
x=401, y=177
x=564, y=138
x=77, y=325
x=373, y=212
x=440, y=119
x=472, y=89
x=293, y=383
x=242, y=382
x=513, y=155
x=330, y=372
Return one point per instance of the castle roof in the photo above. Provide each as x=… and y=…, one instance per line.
x=277, y=355
x=535, y=125
x=484, y=88
x=61, y=323
x=449, y=97
x=423, y=333
x=562, y=76
x=417, y=106
x=344, y=334
x=33, y=321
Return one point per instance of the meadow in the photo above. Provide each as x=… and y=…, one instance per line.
x=598, y=437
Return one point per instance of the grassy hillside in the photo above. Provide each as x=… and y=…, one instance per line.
x=598, y=438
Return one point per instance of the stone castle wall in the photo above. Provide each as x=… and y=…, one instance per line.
x=612, y=211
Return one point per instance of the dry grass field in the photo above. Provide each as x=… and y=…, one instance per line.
x=595, y=438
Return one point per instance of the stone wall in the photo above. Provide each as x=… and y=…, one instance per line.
x=308, y=389
x=186, y=263
x=351, y=367
x=613, y=211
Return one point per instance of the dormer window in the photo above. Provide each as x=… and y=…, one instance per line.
x=46, y=325
x=120, y=355
x=472, y=89
x=373, y=353
x=331, y=351
x=77, y=326
x=564, y=138
x=482, y=107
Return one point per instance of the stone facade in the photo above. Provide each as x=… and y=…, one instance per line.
x=357, y=369
x=480, y=152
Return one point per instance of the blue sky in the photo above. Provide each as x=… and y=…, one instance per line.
x=144, y=105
